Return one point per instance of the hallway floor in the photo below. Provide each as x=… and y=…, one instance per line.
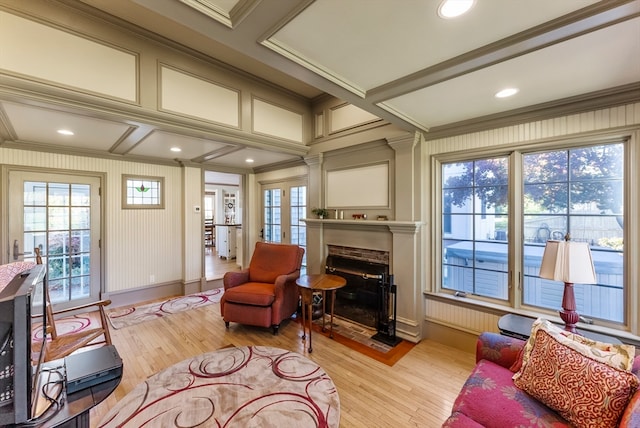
x=216, y=267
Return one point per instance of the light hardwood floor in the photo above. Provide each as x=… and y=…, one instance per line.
x=418, y=391
x=216, y=267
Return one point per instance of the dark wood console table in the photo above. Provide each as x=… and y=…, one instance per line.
x=76, y=407
x=519, y=326
x=75, y=411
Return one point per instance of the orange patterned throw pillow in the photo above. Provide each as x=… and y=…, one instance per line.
x=583, y=390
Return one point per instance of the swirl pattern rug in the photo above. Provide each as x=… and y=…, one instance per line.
x=67, y=325
x=124, y=317
x=250, y=386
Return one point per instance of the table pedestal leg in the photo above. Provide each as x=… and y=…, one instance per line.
x=304, y=324
x=307, y=306
x=324, y=302
x=333, y=302
x=310, y=316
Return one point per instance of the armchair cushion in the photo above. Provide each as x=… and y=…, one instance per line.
x=270, y=261
x=251, y=293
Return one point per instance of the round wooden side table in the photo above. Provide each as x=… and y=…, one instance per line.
x=309, y=284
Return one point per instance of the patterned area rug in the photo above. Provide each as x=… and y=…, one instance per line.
x=70, y=324
x=250, y=386
x=125, y=317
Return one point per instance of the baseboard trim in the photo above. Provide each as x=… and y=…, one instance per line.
x=146, y=294
x=449, y=336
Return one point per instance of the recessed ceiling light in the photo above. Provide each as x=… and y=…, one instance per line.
x=176, y=149
x=65, y=132
x=454, y=8
x=507, y=92
x=249, y=160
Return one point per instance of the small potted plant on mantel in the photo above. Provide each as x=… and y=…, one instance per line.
x=321, y=212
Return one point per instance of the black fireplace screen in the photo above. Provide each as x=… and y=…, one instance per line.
x=369, y=296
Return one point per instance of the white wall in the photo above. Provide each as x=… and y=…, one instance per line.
x=137, y=243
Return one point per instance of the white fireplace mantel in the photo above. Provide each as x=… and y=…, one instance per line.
x=391, y=225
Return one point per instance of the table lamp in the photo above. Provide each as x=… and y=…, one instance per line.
x=569, y=262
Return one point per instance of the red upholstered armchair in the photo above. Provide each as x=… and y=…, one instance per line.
x=265, y=293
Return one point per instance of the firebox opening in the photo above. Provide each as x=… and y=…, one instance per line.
x=359, y=300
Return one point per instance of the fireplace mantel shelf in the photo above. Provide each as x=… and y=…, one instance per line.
x=391, y=224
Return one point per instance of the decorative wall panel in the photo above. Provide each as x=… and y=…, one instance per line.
x=191, y=96
x=269, y=119
x=53, y=55
x=366, y=186
x=349, y=116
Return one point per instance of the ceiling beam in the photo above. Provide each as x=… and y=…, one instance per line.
x=587, y=20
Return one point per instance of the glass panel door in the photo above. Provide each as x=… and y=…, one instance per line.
x=59, y=215
x=284, y=207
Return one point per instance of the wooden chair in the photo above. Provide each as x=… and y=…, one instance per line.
x=209, y=235
x=60, y=345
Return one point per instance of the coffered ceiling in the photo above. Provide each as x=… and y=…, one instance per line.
x=396, y=59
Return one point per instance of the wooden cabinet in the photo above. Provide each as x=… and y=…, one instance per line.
x=226, y=241
x=229, y=204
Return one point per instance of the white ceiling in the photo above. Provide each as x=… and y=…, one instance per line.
x=396, y=59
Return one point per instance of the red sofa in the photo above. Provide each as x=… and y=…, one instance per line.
x=489, y=397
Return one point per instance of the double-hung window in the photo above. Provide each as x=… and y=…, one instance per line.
x=575, y=190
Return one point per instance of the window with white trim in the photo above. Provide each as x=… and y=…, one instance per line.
x=575, y=189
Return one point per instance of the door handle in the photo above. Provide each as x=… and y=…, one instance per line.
x=16, y=250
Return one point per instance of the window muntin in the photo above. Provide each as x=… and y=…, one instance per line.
x=272, y=215
x=57, y=220
x=298, y=208
x=577, y=191
x=475, y=223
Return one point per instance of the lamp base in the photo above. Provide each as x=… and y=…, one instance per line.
x=568, y=312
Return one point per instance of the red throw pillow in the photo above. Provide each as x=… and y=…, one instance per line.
x=586, y=392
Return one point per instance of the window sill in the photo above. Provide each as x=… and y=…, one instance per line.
x=499, y=310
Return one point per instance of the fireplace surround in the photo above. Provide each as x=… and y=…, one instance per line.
x=389, y=242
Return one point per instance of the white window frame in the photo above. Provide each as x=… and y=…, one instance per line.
x=631, y=139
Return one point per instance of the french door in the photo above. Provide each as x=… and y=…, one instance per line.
x=60, y=215
x=284, y=205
